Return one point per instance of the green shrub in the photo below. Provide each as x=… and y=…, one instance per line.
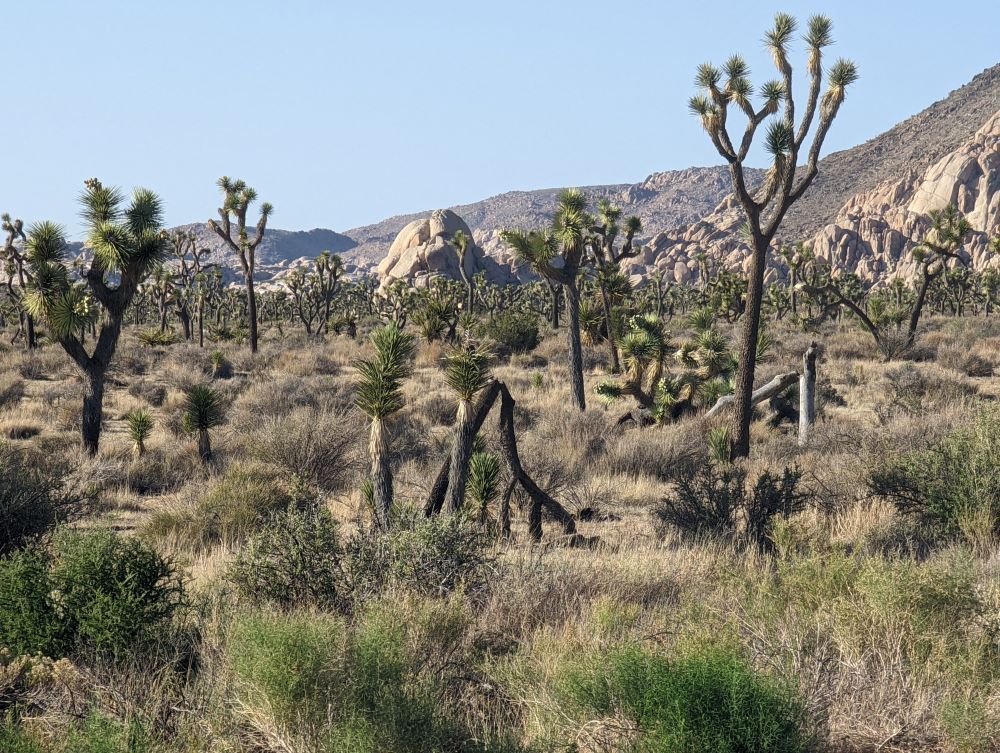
x=30, y=497
x=238, y=504
x=93, y=589
x=951, y=483
x=296, y=560
x=707, y=701
x=431, y=556
x=374, y=685
x=513, y=331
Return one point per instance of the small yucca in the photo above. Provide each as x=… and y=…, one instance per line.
x=140, y=426
x=484, y=481
x=203, y=410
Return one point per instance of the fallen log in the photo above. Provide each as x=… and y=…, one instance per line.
x=775, y=387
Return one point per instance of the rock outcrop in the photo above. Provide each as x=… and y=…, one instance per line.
x=423, y=250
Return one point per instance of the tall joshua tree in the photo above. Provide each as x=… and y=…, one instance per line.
x=558, y=254
x=608, y=258
x=379, y=396
x=467, y=371
x=238, y=197
x=463, y=244
x=15, y=260
x=127, y=241
x=786, y=180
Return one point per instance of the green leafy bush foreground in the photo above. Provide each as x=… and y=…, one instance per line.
x=704, y=701
x=93, y=589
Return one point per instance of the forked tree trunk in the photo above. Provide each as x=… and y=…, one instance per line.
x=381, y=474
x=807, y=394
x=575, y=346
x=461, y=452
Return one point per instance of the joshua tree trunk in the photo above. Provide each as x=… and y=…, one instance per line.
x=807, y=394
x=743, y=388
x=381, y=474
x=252, y=311
x=461, y=452
x=204, y=446
x=555, y=290
x=918, y=306
x=575, y=347
x=612, y=348
x=93, y=403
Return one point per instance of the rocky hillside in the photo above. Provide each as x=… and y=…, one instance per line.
x=865, y=204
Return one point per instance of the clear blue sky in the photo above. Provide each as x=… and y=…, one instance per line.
x=343, y=113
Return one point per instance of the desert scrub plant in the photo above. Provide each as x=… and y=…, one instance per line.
x=379, y=395
x=31, y=497
x=221, y=368
x=512, y=331
x=203, y=410
x=152, y=338
x=430, y=556
x=315, y=446
x=705, y=700
x=240, y=502
x=140, y=426
x=296, y=560
x=11, y=389
x=379, y=683
x=950, y=484
x=93, y=589
x=717, y=500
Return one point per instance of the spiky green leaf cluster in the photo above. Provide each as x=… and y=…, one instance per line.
x=204, y=409
x=467, y=370
x=379, y=392
x=140, y=424
x=484, y=478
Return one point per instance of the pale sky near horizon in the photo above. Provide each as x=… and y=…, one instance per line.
x=342, y=114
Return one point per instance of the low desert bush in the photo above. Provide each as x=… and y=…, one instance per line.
x=237, y=504
x=714, y=499
x=31, y=500
x=512, y=331
x=92, y=589
x=702, y=701
x=377, y=684
x=949, y=484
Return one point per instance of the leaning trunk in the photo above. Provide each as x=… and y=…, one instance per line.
x=461, y=451
x=93, y=402
x=381, y=474
x=575, y=347
x=743, y=388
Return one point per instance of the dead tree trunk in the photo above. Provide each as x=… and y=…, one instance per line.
x=807, y=394
x=776, y=386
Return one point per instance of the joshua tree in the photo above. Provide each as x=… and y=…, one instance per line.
x=203, y=410
x=467, y=372
x=15, y=261
x=379, y=395
x=607, y=260
x=190, y=259
x=127, y=242
x=140, y=426
x=941, y=246
x=463, y=244
x=786, y=180
x=238, y=198
x=567, y=239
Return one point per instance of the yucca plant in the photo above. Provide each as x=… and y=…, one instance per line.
x=467, y=371
x=484, y=482
x=127, y=241
x=221, y=368
x=203, y=410
x=140, y=426
x=379, y=395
